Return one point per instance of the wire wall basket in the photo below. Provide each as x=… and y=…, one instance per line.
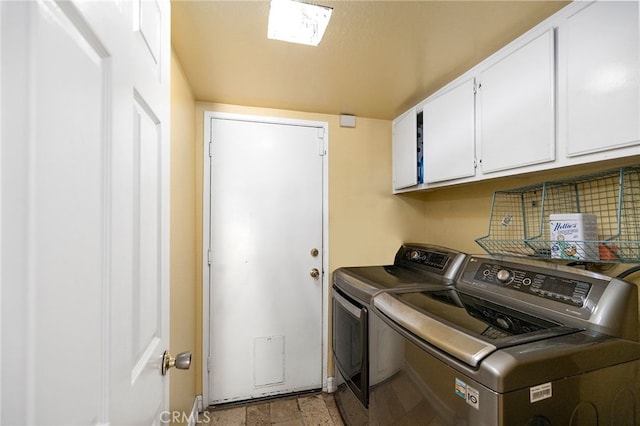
x=520, y=218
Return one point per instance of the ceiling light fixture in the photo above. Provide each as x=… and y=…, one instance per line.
x=298, y=22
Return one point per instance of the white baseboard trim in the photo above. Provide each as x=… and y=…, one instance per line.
x=197, y=408
x=331, y=384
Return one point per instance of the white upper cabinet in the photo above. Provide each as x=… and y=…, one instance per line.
x=599, y=87
x=449, y=134
x=565, y=93
x=516, y=108
x=405, y=150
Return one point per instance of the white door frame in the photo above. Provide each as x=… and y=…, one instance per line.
x=206, y=235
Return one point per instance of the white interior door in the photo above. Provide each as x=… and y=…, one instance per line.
x=266, y=220
x=84, y=211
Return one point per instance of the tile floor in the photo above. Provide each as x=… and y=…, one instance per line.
x=304, y=410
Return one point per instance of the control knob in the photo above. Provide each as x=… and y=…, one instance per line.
x=504, y=276
x=415, y=255
x=504, y=322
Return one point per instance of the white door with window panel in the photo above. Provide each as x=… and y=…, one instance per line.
x=266, y=257
x=84, y=211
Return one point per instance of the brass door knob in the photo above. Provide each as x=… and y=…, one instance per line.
x=182, y=361
x=314, y=273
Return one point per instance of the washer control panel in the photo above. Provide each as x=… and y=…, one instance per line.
x=552, y=291
x=429, y=258
x=566, y=290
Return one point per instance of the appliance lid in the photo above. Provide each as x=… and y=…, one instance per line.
x=414, y=264
x=362, y=283
x=462, y=326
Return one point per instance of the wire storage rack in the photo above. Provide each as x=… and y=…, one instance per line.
x=519, y=223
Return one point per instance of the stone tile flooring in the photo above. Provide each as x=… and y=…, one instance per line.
x=304, y=410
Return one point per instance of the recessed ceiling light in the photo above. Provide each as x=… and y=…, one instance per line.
x=298, y=22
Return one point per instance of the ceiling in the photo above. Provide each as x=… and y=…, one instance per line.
x=376, y=60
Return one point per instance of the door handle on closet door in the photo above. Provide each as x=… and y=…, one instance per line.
x=182, y=361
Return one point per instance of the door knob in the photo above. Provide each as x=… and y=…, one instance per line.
x=314, y=252
x=314, y=273
x=182, y=361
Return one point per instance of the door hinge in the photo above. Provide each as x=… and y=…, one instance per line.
x=321, y=150
x=210, y=149
x=208, y=364
x=209, y=256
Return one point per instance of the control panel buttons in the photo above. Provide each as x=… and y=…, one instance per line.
x=551, y=287
x=427, y=258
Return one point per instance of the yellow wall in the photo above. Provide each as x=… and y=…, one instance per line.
x=183, y=242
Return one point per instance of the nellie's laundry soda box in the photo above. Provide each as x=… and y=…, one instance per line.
x=573, y=236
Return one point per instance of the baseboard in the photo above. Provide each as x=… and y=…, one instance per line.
x=331, y=384
x=197, y=408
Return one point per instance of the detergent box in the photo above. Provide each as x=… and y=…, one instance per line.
x=573, y=236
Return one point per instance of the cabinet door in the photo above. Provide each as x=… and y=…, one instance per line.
x=600, y=87
x=516, y=108
x=449, y=134
x=405, y=151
